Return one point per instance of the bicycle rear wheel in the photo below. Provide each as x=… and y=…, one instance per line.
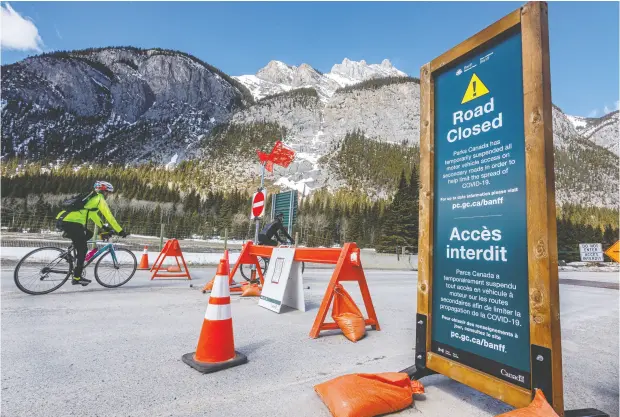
x=246, y=272
x=43, y=270
x=113, y=273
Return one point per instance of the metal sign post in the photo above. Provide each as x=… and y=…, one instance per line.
x=257, y=219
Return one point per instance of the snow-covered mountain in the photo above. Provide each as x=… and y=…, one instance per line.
x=113, y=104
x=604, y=131
x=277, y=77
x=131, y=105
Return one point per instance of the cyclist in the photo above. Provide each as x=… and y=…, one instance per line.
x=271, y=230
x=73, y=223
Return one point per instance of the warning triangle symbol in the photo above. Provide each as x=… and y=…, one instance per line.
x=475, y=89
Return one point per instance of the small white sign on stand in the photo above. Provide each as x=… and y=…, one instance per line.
x=283, y=282
x=591, y=252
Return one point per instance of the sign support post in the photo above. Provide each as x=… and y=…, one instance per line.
x=257, y=219
x=488, y=289
x=261, y=188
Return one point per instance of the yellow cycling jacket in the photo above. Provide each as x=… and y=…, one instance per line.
x=90, y=211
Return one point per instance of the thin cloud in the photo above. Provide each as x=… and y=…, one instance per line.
x=18, y=33
x=58, y=32
x=606, y=110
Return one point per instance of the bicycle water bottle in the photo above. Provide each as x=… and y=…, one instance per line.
x=90, y=254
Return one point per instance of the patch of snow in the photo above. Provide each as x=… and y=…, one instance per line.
x=173, y=161
x=99, y=84
x=262, y=88
x=196, y=238
x=577, y=122
x=16, y=253
x=300, y=186
x=342, y=81
x=144, y=236
x=314, y=158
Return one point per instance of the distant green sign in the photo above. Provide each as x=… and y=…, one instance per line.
x=286, y=203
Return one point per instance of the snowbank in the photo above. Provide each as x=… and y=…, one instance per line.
x=13, y=255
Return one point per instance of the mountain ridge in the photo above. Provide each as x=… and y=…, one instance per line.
x=278, y=77
x=132, y=105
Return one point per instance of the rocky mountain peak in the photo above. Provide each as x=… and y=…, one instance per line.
x=276, y=72
x=277, y=77
x=116, y=96
x=357, y=71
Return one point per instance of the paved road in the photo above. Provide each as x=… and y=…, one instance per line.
x=101, y=352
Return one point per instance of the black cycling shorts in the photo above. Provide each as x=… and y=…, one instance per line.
x=264, y=240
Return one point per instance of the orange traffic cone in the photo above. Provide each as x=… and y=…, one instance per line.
x=231, y=282
x=216, y=345
x=208, y=286
x=144, y=261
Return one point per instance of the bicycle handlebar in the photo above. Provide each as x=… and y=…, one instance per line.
x=108, y=233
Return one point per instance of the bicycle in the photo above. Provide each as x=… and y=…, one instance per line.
x=53, y=266
x=263, y=263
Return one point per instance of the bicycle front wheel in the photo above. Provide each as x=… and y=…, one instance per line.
x=114, y=271
x=43, y=270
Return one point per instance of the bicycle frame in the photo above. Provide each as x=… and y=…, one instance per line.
x=103, y=249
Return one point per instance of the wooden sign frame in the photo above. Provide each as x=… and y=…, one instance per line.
x=544, y=305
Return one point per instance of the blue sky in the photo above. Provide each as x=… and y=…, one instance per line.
x=240, y=37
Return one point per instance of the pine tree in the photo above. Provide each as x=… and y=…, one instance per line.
x=413, y=228
x=610, y=236
x=392, y=232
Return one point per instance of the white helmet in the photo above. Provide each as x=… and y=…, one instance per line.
x=104, y=186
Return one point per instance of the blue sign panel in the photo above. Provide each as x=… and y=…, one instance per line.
x=480, y=308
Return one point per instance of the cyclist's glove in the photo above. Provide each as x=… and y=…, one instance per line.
x=123, y=233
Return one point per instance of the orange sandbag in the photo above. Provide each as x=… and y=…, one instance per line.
x=539, y=407
x=251, y=291
x=209, y=285
x=368, y=395
x=347, y=315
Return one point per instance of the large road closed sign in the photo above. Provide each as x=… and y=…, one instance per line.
x=488, y=292
x=480, y=291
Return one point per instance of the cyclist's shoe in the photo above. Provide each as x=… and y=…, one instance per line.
x=80, y=281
